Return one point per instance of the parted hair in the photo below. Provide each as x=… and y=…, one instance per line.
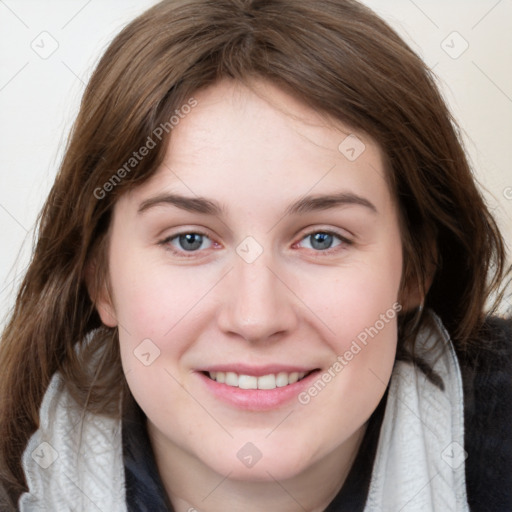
x=337, y=57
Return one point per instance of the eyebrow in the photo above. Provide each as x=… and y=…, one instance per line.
x=191, y=204
x=325, y=202
x=303, y=205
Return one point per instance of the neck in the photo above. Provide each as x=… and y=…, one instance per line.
x=192, y=486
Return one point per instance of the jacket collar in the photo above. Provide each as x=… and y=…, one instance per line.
x=420, y=461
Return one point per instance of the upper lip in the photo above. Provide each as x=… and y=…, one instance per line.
x=257, y=371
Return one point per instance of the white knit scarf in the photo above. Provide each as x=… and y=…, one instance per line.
x=74, y=462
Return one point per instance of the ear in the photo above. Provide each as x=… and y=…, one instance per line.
x=99, y=292
x=417, y=282
x=414, y=292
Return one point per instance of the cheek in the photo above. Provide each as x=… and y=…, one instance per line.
x=368, y=310
x=363, y=343
x=360, y=307
x=151, y=298
x=155, y=309
x=156, y=317
x=359, y=298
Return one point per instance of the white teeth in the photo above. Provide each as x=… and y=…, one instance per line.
x=281, y=379
x=267, y=382
x=247, y=382
x=231, y=379
x=293, y=378
x=270, y=381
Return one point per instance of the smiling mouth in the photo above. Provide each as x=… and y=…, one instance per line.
x=266, y=382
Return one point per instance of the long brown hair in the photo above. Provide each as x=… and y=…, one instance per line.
x=339, y=58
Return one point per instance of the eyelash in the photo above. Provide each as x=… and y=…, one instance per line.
x=344, y=242
x=166, y=242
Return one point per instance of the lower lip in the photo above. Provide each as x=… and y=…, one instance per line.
x=256, y=399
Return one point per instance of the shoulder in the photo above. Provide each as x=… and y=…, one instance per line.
x=73, y=456
x=486, y=368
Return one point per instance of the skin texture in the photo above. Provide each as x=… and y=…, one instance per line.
x=255, y=151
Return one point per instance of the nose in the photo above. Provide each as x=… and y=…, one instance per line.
x=257, y=305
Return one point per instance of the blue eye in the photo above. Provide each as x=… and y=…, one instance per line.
x=189, y=242
x=322, y=241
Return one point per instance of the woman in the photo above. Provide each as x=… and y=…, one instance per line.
x=260, y=281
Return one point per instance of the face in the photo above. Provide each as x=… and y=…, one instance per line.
x=255, y=281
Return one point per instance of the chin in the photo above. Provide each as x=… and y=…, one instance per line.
x=261, y=464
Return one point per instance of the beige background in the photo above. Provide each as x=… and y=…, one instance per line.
x=467, y=43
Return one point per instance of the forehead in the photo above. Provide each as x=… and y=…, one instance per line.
x=243, y=145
